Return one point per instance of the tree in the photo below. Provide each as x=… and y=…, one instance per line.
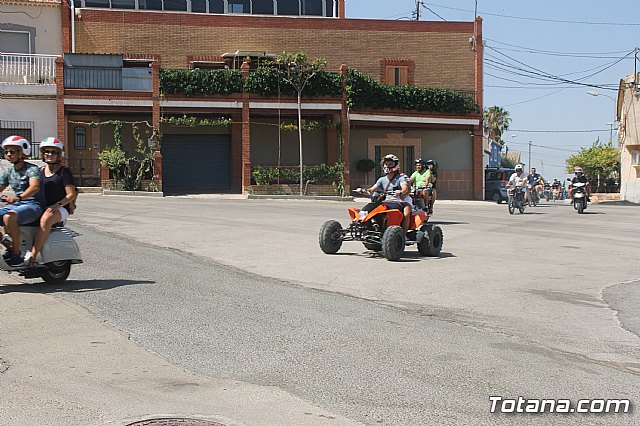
x=600, y=160
x=299, y=69
x=495, y=121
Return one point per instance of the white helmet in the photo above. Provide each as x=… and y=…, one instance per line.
x=18, y=141
x=390, y=169
x=578, y=170
x=519, y=168
x=52, y=142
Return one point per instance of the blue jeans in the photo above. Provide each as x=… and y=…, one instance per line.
x=27, y=210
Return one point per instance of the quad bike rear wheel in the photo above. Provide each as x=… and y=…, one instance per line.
x=393, y=243
x=431, y=244
x=329, y=237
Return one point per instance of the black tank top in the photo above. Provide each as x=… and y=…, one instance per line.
x=54, y=185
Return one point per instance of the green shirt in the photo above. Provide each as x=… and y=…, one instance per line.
x=420, y=180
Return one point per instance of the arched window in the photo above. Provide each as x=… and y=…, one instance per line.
x=635, y=158
x=80, y=138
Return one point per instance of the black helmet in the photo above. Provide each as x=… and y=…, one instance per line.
x=419, y=161
x=433, y=164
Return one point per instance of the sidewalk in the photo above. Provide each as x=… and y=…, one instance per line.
x=59, y=365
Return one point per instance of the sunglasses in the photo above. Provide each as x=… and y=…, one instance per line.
x=11, y=151
x=50, y=151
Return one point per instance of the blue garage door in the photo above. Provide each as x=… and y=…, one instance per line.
x=196, y=163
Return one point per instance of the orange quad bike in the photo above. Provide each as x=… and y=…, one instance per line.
x=380, y=229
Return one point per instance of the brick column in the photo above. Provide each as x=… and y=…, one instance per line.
x=246, y=135
x=157, y=169
x=478, y=66
x=60, y=118
x=341, y=12
x=344, y=121
x=478, y=178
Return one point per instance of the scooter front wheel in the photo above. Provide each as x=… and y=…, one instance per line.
x=56, y=272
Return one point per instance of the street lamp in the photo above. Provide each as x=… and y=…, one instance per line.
x=615, y=111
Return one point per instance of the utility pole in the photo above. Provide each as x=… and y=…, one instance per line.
x=529, y=156
x=417, y=12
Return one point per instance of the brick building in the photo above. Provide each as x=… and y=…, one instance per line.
x=135, y=42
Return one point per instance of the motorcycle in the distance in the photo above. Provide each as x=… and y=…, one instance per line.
x=580, y=197
x=59, y=252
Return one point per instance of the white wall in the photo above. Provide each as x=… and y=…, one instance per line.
x=629, y=141
x=41, y=112
x=48, y=32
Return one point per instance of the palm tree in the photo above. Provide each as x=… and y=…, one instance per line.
x=495, y=121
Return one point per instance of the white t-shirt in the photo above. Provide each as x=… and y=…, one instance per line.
x=518, y=180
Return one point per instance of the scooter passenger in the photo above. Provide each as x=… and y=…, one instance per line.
x=59, y=193
x=432, y=166
x=396, y=186
x=579, y=178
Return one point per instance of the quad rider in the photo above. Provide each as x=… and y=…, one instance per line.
x=420, y=179
x=396, y=187
x=432, y=166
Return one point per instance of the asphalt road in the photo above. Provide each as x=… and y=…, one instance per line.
x=526, y=305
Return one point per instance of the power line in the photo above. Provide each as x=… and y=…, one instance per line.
x=559, y=131
x=532, y=49
x=526, y=18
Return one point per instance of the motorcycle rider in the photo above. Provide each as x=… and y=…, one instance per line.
x=59, y=193
x=421, y=180
x=26, y=205
x=518, y=178
x=396, y=186
x=536, y=182
x=579, y=178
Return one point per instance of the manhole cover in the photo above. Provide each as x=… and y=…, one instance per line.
x=175, y=421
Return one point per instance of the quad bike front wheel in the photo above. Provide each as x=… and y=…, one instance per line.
x=329, y=237
x=56, y=272
x=393, y=243
x=431, y=244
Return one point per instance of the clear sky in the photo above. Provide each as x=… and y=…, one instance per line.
x=530, y=48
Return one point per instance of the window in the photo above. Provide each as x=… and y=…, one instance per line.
x=262, y=7
x=397, y=76
x=239, y=6
x=123, y=4
x=397, y=72
x=175, y=5
x=97, y=3
x=80, y=138
x=199, y=6
x=635, y=158
x=216, y=6
x=312, y=7
x=289, y=7
x=15, y=42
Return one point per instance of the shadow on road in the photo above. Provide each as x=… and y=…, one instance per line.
x=444, y=222
x=79, y=286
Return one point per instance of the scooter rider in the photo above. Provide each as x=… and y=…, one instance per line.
x=26, y=205
x=59, y=193
x=579, y=178
x=396, y=186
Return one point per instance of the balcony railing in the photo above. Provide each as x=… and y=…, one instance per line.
x=27, y=69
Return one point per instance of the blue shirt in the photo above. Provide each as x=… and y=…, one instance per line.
x=19, y=180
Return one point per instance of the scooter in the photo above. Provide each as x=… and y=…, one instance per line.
x=59, y=252
x=579, y=197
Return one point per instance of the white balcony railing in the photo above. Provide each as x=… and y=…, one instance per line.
x=27, y=69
